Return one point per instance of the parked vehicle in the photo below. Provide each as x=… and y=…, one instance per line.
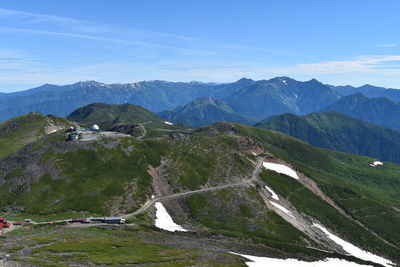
x=86, y=220
x=77, y=220
x=114, y=220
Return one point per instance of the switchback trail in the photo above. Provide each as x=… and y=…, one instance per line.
x=144, y=129
x=149, y=203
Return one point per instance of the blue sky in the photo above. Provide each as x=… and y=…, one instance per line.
x=336, y=41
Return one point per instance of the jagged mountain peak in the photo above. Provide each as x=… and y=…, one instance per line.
x=244, y=79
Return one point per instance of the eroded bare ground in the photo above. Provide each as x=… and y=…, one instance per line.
x=161, y=186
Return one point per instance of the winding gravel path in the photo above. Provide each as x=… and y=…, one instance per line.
x=149, y=203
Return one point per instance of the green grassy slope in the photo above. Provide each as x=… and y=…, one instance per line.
x=83, y=177
x=52, y=245
x=367, y=194
x=20, y=131
x=340, y=132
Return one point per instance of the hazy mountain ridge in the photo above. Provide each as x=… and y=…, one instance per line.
x=339, y=132
x=369, y=91
x=205, y=111
x=62, y=100
x=382, y=111
x=282, y=94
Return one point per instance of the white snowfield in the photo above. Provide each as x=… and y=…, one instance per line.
x=169, y=123
x=355, y=251
x=274, y=262
x=376, y=163
x=288, y=212
x=164, y=220
x=279, y=168
x=274, y=195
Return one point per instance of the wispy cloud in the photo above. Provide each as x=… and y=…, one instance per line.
x=97, y=38
x=84, y=29
x=386, y=45
x=383, y=64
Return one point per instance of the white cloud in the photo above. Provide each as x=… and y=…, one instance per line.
x=379, y=64
x=386, y=45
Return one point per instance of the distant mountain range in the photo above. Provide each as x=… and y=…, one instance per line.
x=258, y=99
x=280, y=95
x=369, y=91
x=382, y=110
x=62, y=100
x=337, y=131
x=255, y=101
x=198, y=104
x=205, y=111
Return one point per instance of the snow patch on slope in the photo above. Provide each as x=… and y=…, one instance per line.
x=256, y=261
x=376, y=163
x=274, y=195
x=282, y=208
x=164, y=220
x=353, y=250
x=280, y=168
x=168, y=123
